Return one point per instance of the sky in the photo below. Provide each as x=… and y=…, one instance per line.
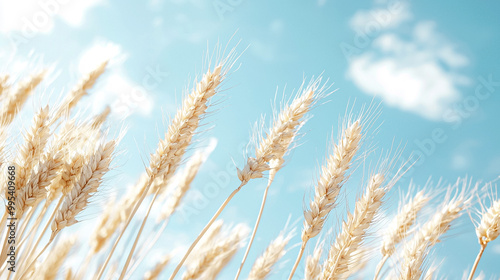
x=429, y=71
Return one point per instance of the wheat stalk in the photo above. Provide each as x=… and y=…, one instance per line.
x=165, y=160
x=294, y=115
x=329, y=185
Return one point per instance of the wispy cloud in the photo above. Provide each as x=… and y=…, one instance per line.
x=115, y=88
x=420, y=73
x=35, y=16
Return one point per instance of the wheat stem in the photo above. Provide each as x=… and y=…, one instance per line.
x=380, y=265
x=124, y=270
x=224, y=204
x=263, y=203
x=478, y=258
x=297, y=261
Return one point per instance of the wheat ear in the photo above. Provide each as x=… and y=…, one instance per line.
x=354, y=229
x=328, y=188
x=16, y=100
x=399, y=228
x=80, y=90
x=220, y=248
x=165, y=160
x=273, y=253
x=154, y=273
x=269, y=148
x=487, y=231
x=417, y=249
x=4, y=85
x=300, y=106
x=98, y=120
x=313, y=266
x=78, y=198
x=35, y=140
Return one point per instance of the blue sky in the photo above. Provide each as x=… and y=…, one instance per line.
x=433, y=67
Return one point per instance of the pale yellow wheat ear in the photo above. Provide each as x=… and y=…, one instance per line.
x=264, y=264
x=49, y=268
x=294, y=116
x=41, y=177
x=354, y=230
x=488, y=228
x=79, y=91
x=333, y=176
x=16, y=99
x=34, y=143
x=215, y=253
x=4, y=84
x=78, y=198
x=400, y=226
x=275, y=143
x=99, y=119
x=417, y=249
x=90, y=179
x=164, y=162
x=155, y=272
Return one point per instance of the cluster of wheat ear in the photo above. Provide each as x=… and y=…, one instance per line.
x=61, y=160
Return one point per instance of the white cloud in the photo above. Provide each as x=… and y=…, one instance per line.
x=33, y=16
x=419, y=75
x=114, y=88
x=388, y=16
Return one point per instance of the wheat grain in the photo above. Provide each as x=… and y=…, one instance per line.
x=354, y=229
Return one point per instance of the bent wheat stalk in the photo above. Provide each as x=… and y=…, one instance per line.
x=329, y=185
x=168, y=156
x=296, y=111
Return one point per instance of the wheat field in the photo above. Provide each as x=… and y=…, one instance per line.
x=53, y=170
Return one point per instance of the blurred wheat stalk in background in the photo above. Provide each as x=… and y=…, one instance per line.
x=61, y=162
